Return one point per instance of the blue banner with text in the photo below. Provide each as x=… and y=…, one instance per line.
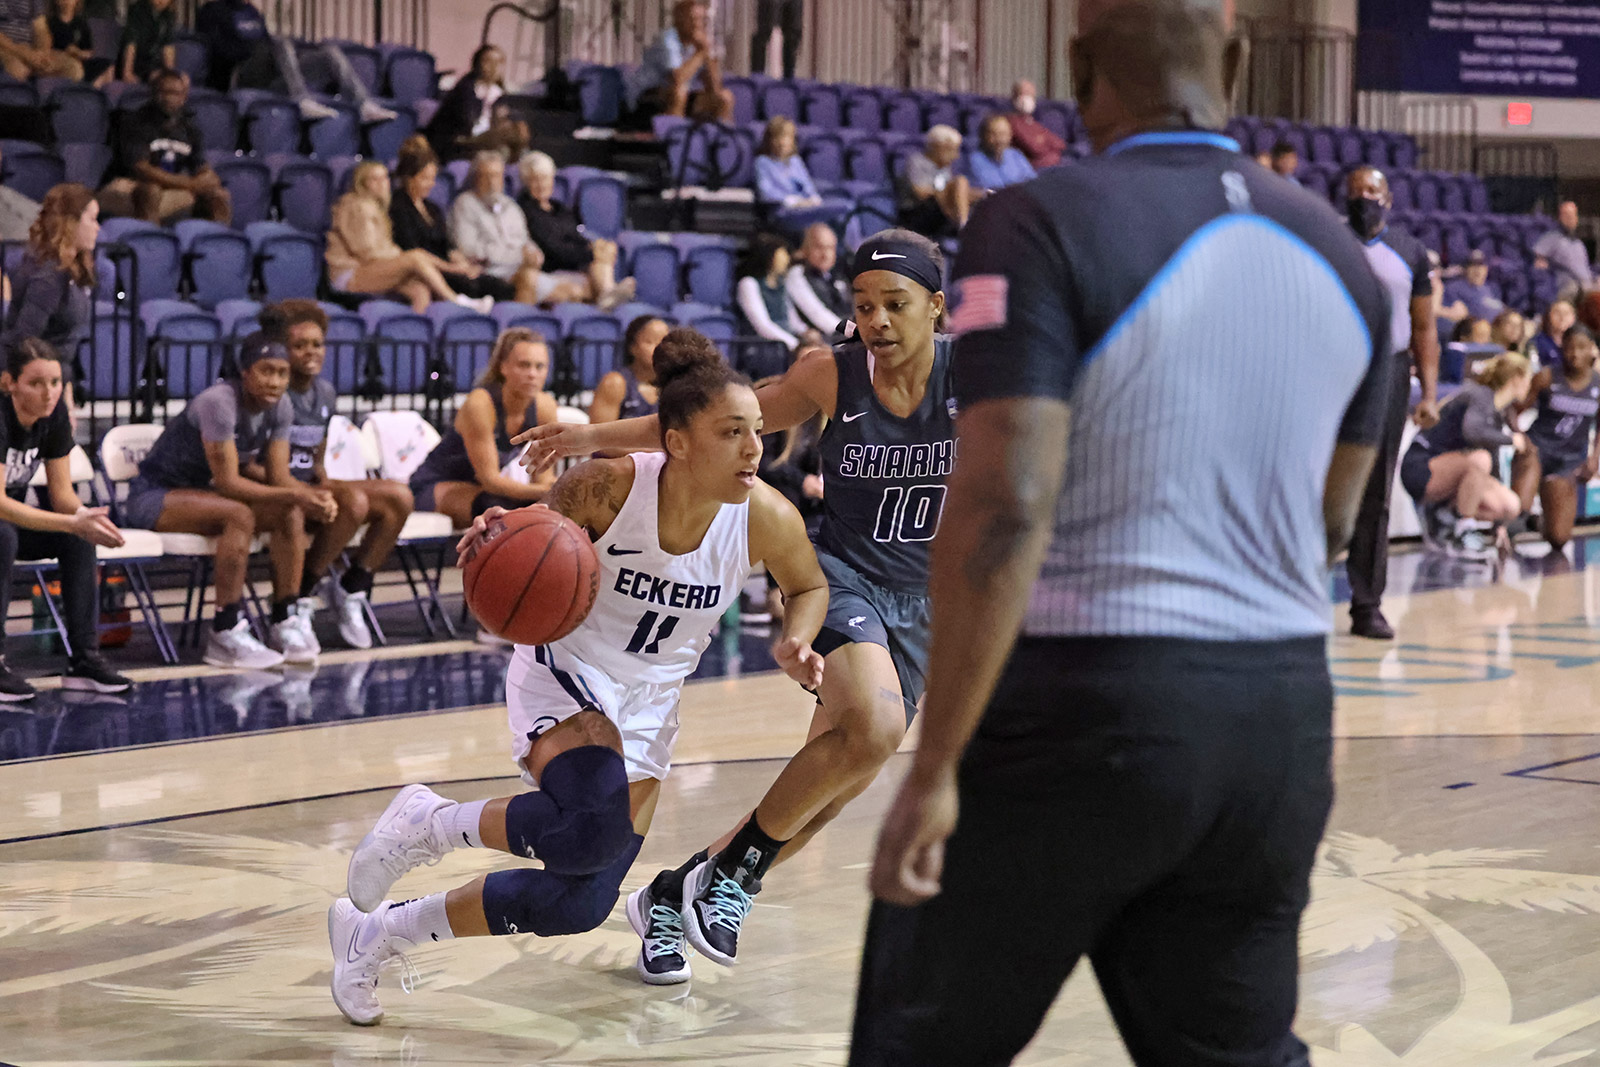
x=1480, y=47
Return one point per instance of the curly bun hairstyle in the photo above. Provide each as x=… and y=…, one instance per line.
x=690, y=375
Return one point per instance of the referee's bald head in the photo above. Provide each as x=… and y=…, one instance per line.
x=1150, y=64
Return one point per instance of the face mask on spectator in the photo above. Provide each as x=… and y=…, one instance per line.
x=1024, y=104
x=1366, y=216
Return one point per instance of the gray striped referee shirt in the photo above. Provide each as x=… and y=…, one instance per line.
x=1213, y=328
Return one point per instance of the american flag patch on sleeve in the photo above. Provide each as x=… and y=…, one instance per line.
x=980, y=303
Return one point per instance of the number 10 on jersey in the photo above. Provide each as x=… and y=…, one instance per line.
x=909, y=514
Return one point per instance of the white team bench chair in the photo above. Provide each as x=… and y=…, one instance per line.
x=139, y=547
x=394, y=444
x=121, y=451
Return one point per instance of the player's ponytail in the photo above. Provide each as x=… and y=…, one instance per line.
x=1504, y=368
x=690, y=374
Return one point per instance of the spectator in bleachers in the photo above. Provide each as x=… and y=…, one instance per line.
x=472, y=118
x=22, y=54
x=1509, y=331
x=1285, y=161
x=363, y=257
x=62, y=28
x=418, y=225
x=147, y=40
x=762, y=297
x=1563, y=252
x=17, y=213
x=784, y=186
x=934, y=200
x=475, y=468
x=161, y=164
x=382, y=506
x=1472, y=331
x=1472, y=294
x=491, y=231
x=1033, y=138
x=553, y=226
x=1559, y=317
x=819, y=290
x=35, y=429
x=630, y=393
x=996, y=164
x=244, y=55
x=663, y=83
x=218, y=470
x=52, y=287
x=787, y=15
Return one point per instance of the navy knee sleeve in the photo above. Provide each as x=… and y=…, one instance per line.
x=551, y=905
x=578, y=822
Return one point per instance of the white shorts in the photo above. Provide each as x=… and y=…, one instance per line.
x=545, y=686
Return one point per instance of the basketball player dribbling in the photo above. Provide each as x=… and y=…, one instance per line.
x=885, y=453
x=593, y=716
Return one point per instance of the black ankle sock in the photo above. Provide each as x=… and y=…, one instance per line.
x=749, y=854
x=308, y=584
x=280, y=609
x=356, y=580
x=226, y=618
x=668, y=885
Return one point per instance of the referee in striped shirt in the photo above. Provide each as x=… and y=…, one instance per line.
x=1171, y=367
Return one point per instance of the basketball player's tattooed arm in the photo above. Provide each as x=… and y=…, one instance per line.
x=991, y=542
x=592, y=493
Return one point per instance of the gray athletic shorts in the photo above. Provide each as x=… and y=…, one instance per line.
x=143, y=506
x=860, y=610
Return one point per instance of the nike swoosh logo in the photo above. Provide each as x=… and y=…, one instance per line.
x=885, y=255
x=851, y=418
x=613, y=550
x=353, y=953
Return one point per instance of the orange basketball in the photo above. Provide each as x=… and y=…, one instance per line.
x=533, y=577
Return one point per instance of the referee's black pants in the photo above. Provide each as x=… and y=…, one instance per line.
x=1154, y=804
x=1368, y=561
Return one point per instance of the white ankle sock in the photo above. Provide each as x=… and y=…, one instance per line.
x=460, y=823
x=419, y=921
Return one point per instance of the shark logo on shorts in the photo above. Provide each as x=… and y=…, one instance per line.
x=857, y=620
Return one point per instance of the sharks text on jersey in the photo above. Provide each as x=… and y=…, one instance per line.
x=898, y=461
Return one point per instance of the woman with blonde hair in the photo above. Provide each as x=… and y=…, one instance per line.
x=1449, y=468
x=52, y=289
x=474, y=467
x=784, y=186
x=363, y=258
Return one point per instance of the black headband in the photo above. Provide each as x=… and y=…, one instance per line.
x=900, y=256
x=259, y=346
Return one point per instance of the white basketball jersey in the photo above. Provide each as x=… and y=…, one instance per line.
x=655, y=612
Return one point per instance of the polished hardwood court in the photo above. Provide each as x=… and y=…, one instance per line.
x=165, y=904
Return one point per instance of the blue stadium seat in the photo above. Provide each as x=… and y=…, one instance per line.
x=288, y=262
x=1426, y=193
x=185, y=340
x=218, y=260
x=409, y=74
x=1057, y=117
x=249, y=182
x=746, y=94
x=403, y=344
x=626, y=313
x=337, y=135
x=585, y=322
x=79, y=113
x=157, y=258
x=867, y=160
x=863, y=109
x=1350, y=147
x=941, y=111
x=218, y=118
x=656, y=269
x=824, y=158
x=720, y=326
x=367, y=63
x=509, y=313
x=1321, y=147
x=464, y=339
x=18, y=94
x=193, y=58
x=1402, y=191
x=903, y=113
x=112, y=343
x=304, y=194
x=600, y=95
x=33, y=174
x=85, y=164
x=779, y=98
x=237, y=317
x=271, y=122
x=1403, y=150
x=822, y=105
x=384, y=138
x=603, y=206
x=708, y=275
x=1452, y=193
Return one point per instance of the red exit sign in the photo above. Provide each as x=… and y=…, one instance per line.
x=1519, y=114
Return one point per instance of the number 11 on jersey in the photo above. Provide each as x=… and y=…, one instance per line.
x=641, y=633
